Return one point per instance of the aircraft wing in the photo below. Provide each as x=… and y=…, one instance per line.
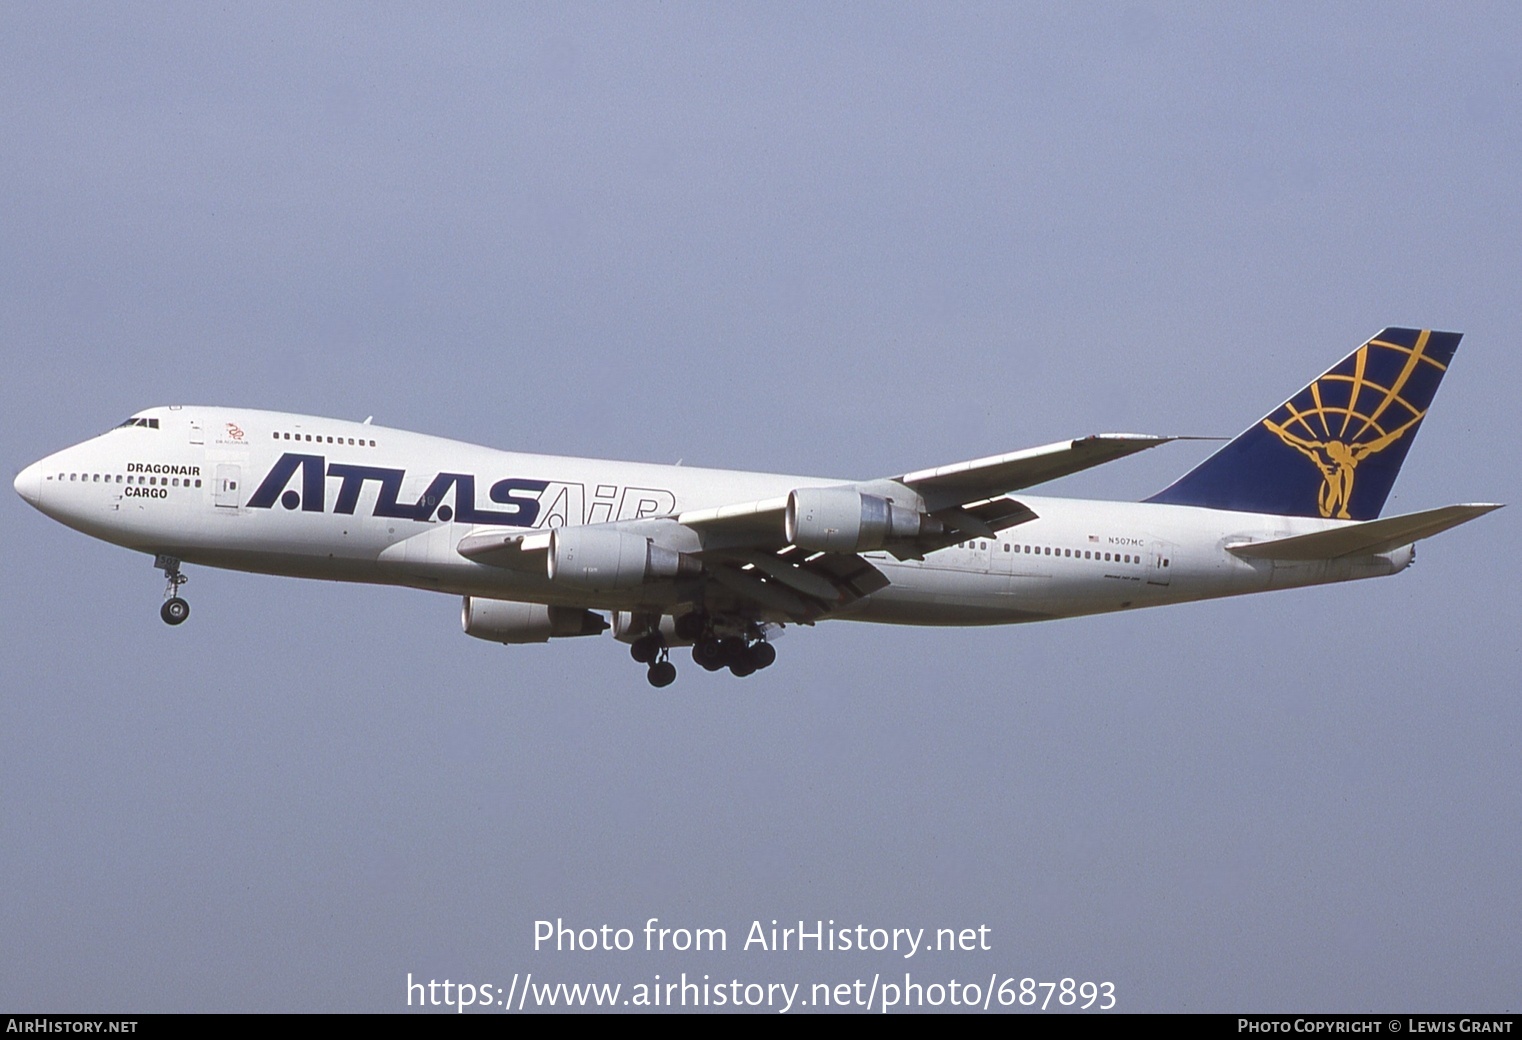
x=749, y=563
x=959, y=501
x=965, y=495
x=963, y=482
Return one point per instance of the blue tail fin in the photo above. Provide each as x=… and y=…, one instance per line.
x=1333, y=449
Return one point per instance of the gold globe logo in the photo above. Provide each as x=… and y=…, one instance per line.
x=1337, y=437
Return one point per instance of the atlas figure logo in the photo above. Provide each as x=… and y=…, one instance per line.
x=523, y=502
x=1355, y=411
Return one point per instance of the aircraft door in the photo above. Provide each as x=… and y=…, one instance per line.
x=226, y=489
x=1160, y=563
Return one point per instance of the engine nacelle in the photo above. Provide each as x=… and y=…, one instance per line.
x=508, y=621
x=596, y=558
x=839, y=519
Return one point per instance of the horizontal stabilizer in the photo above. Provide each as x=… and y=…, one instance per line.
x=1366, y=539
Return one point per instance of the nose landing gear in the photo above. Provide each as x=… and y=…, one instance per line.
x=175, y=610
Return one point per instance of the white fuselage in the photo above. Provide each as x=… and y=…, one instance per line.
x=368, y=504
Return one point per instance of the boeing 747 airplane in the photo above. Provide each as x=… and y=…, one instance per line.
x=542, y=547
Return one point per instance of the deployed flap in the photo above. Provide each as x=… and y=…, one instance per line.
x=852, y=575
x=800, y=586
x=788, y=573
x=963, y=482
x=978, y=520
x=1366, y=539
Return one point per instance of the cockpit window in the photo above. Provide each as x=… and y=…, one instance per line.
x=151, y=424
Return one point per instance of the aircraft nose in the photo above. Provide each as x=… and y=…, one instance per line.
x=29, y=483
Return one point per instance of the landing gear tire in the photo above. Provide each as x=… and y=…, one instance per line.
x=646, y=649
x=174, y=611
x=763, y=655
x=690, y=626
x=709, y=653
x=662, y=673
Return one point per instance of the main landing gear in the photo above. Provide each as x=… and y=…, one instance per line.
x=652, y=650
x=741, y=654
x=175, y=610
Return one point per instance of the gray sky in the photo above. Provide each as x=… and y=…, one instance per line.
x=847, y=240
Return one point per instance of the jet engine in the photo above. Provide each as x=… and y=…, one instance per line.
x=596, y=558
x=508, y=621
x=842, y=519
